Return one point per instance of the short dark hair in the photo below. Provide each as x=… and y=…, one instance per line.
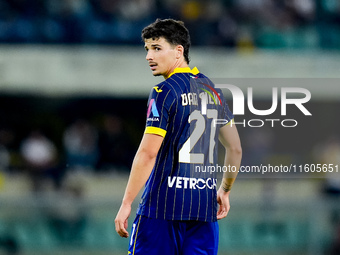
x=173, y=31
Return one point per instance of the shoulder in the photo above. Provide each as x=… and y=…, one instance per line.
x=173, y=86
x=179, y=83
x=163, y=93
x=161, y=89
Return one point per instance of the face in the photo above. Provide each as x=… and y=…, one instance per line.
x=162, y=56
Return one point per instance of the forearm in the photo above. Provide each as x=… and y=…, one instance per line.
x=141, y=169
x=233, y=161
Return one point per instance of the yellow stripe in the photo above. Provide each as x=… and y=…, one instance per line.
x=155, y=130
x=185, y=70
x=134, y=245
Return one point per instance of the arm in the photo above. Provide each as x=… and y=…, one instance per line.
x=141, y=169
x=231, y=141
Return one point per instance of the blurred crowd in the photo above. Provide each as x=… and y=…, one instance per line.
x=84, y=147
x=229, y=23
x=54, y=161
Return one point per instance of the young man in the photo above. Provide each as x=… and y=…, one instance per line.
x=178, y=212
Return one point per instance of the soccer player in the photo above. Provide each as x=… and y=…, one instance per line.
x=178, y=211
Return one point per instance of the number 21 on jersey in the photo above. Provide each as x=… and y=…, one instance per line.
x=185, y=153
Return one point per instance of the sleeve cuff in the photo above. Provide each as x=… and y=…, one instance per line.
x=155, y=130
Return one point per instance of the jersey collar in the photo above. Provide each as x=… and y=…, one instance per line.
x=194, y=71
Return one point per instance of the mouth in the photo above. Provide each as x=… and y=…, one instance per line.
x=153, y=66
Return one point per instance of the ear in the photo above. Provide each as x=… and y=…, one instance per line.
x=179, y=51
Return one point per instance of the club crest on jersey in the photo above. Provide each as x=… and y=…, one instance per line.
x=152, y=114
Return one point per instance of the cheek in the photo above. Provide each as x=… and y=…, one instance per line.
x=169, y=58
x=164, y=59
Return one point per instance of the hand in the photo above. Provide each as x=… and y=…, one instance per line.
x=121, y=220
x=224, y=204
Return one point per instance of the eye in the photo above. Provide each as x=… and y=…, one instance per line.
x=157, y=49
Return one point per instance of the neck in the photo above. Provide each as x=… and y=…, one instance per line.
x=181, y=64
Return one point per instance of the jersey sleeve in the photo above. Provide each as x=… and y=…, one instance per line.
x=158, y=110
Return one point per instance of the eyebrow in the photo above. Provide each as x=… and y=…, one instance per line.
x=153, y=45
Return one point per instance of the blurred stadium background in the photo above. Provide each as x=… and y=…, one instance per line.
x=73, y=91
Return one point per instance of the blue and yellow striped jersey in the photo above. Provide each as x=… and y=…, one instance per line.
x=182, y=109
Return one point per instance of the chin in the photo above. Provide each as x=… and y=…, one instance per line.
x=156, y=73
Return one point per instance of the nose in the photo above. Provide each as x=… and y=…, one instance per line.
x=149, y=56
